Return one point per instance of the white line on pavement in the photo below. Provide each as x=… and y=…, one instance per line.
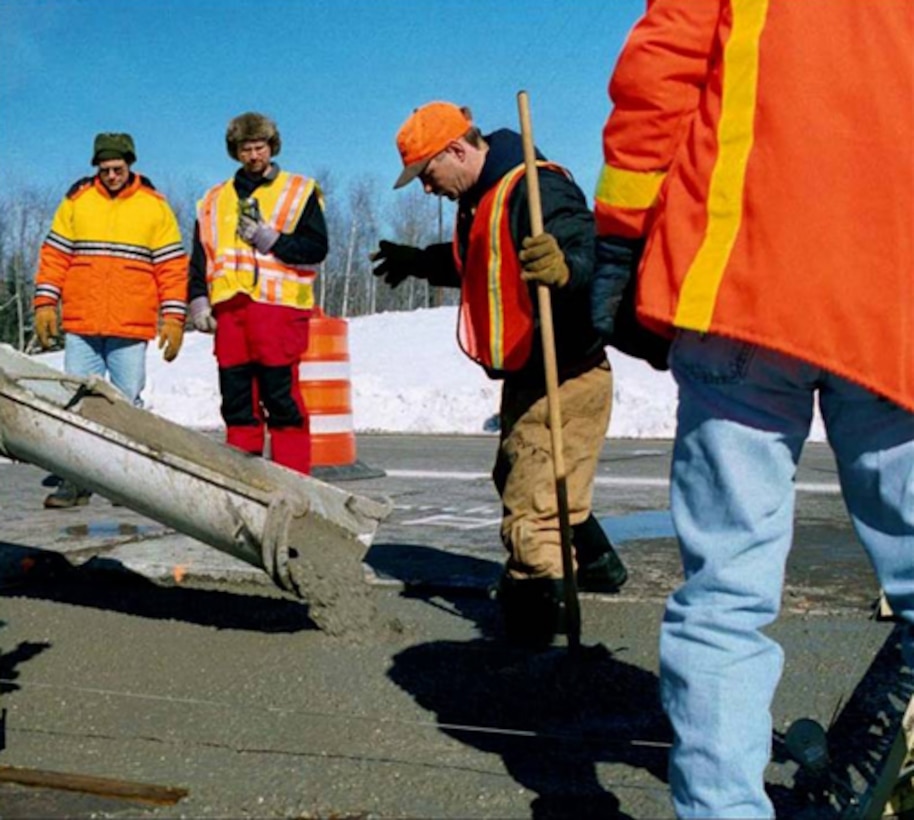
x=816, y=487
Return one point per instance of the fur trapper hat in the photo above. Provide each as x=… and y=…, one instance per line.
x=251, y=126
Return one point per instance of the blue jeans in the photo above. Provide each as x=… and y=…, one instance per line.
x=744, y=414
x=124, y=360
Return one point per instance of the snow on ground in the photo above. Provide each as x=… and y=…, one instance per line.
x=408, y=376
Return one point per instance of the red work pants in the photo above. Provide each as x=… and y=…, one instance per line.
x=258, y=348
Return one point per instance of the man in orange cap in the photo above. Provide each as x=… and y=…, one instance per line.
x=497, y=265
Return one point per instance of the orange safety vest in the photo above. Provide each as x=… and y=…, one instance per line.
x=233, y=266
x=764, y=148
x=495, y=320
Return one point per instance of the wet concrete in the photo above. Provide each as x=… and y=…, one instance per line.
x=142, y=655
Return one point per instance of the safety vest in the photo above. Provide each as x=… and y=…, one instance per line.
x=233, y=266
x=495, y=321
x=495, y=325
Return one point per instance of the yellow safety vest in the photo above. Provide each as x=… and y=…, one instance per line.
x=233, y=266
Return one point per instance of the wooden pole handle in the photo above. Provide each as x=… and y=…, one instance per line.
x=544, y=298
x=547, y=332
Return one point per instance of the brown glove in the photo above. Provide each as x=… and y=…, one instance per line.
x=171, y=334
x=543, y=261
x=46, y=325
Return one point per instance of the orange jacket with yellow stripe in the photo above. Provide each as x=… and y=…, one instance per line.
x=765, y=148
x=114, y=263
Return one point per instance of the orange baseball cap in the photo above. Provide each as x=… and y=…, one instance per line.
x=427, y=132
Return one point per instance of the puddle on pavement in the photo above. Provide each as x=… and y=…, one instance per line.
x=638, y=526
x=109, y=529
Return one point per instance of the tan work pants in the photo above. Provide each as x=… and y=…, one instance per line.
x=525, y=476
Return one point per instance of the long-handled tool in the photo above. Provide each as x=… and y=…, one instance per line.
x=547, y=331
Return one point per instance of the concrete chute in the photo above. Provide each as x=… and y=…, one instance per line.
x=309, y=536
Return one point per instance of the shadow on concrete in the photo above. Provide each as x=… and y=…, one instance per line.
x=423, y=568
x=10, y=661
x=103, y=583
x=462, y=585
x=550, y=716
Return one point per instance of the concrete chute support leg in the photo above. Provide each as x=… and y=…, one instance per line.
x=310, y=537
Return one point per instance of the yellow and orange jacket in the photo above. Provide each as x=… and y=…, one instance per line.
x=765, y=149
x=114, y=263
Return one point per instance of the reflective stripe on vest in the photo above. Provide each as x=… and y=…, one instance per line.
x=233, y=266
x=495, y=323
x=735, y=132
x=624, y=200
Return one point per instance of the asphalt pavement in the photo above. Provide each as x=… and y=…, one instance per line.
x=133, y=653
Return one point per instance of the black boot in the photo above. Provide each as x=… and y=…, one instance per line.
x=66, y=495
x=533, y=610
x=606, y=574
x=599, y=567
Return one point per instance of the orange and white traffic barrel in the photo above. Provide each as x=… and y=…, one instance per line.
x=325, y=380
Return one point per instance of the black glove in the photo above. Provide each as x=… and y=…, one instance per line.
x=612, y=302
x=398, y=262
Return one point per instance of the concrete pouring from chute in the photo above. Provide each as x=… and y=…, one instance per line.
x=309, y=536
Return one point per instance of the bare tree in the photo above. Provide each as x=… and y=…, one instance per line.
x=25, y=217
x=352, y=233
x=345, y=286
x=182, y=196
x=416, y=220
x=363, y=209
x=335, y=218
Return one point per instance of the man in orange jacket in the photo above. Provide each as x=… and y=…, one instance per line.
x=114, y=264
x=759, y=154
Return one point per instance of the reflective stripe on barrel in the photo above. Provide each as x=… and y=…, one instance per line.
x=324, y=376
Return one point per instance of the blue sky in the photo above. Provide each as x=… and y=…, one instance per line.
x=338, y=76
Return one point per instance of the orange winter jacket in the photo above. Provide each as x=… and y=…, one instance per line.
x=765, y=148
x=113, y=262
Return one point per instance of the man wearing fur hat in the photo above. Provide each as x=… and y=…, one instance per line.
x=114, y=265
x=257, y=241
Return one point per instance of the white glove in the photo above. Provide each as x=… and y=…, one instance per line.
x=201, y=314
x=257, y=233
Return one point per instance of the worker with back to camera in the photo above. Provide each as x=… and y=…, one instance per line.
x=258, y=238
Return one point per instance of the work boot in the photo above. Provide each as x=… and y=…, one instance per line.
x=533, y=610
x=606, y=573
x=66, y=495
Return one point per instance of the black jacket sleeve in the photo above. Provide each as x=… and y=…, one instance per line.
x=438, y=260
x=196, y=275
x=565, y=216
x=307, y=244
x=568, y=218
